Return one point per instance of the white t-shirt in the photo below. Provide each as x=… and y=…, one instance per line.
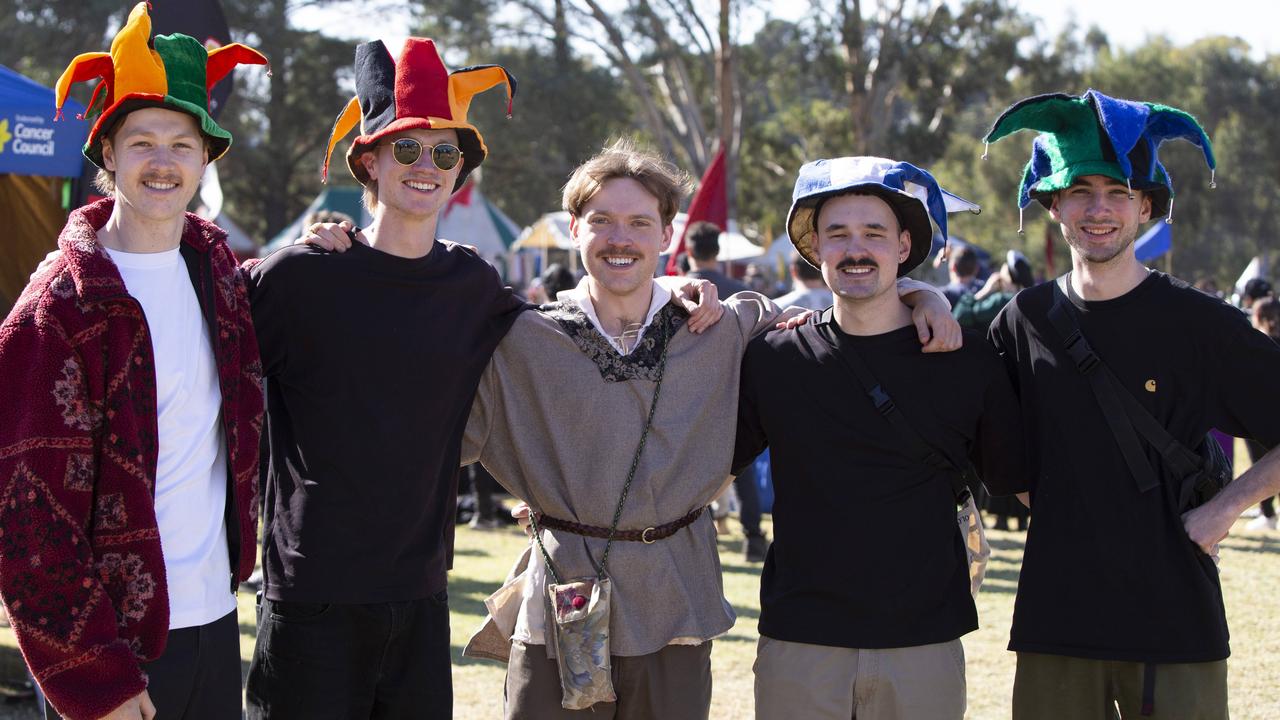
x=191, y=475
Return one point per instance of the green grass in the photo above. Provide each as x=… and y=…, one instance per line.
x=1250, y=578
x=1250, y=573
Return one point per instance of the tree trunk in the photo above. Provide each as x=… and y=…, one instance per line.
x=728, y=136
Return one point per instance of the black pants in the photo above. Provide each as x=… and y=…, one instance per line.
x=381, y=661
x=748, y=500
x=198, y=675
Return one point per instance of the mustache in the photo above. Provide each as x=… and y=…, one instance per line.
x=858, y=262
x=154, y=177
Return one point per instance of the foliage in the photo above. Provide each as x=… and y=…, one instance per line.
x=919, y=81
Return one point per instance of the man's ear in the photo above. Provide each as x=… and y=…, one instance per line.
x=573, y=229
x=1053, y=207
x=1145, y=213
x=904, y=246
x=370, y=165
x=109, y=156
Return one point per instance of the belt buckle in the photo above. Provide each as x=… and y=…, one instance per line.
x=644, y=536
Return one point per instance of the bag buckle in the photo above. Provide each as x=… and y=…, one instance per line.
x=883, y=402
x=1081, y=354
x=644, y=536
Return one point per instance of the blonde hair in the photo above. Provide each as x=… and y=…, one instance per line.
x=623, y=159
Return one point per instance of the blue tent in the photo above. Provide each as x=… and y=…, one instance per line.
x=31, y=143
x=1154, y=242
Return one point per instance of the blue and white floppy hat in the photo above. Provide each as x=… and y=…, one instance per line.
x=914, y=195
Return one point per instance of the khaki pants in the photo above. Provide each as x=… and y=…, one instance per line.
x=1067, y=688
x=671, y=684
x=817, y=682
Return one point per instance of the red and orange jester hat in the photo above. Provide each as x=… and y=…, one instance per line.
x=173, y=72
x=415, y=92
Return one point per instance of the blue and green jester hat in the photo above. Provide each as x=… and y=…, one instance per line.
x=1098, y=135
x=915, y=197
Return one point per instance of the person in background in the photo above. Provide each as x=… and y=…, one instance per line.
x=556, y=279
x=1209, y=286
x=809, y=291
x=1265, y=313
x=1254, y=290
x=703, y=239
x=328, y=216
x=759, y=279
x=963, y=269
x=976, y=310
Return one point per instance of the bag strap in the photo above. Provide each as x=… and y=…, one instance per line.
x=1124, y=415
x=820, y=325
x=601, y=572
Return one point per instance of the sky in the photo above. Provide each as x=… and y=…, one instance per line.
x=1127, y=23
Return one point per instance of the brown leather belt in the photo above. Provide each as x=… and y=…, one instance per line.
x=647, y=536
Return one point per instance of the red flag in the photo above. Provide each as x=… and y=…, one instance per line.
x=710, y=203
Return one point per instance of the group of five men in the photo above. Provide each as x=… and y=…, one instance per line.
x=129, y=451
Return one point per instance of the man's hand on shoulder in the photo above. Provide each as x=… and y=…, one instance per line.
x=334, y=237
x=699, y=298
x=937, y=328
x=138, y=707
x=794, y=322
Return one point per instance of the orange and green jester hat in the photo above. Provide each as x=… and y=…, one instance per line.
x=174, y=72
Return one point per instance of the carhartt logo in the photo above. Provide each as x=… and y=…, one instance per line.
x=1150, y=386
x=4, y=134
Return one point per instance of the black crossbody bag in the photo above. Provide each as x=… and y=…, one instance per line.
x=1201, y=473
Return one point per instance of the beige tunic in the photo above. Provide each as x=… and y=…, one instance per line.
x=556, y=420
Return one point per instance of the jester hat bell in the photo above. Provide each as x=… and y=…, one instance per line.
x=415, y=92
x=915, y=197
x=174, y=72
x=1098, y=135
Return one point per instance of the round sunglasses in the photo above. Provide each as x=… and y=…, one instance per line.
x=445, y=156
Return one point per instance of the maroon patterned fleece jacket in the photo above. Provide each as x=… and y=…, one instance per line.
x=81, y=569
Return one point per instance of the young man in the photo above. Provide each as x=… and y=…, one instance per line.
x=1119, y=602
x=876, y=634
x=963, y=270
x=371, y=359
x=600, y=397
x=129, y=449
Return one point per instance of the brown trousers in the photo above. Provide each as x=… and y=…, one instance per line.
x=672, y=684
x=1067, y=688
x=799, y=681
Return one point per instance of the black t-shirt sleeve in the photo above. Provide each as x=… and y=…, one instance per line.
x=999, y=449
x=1247, y=371
x=751, y=440
x=270, y=304
x=504, y=304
